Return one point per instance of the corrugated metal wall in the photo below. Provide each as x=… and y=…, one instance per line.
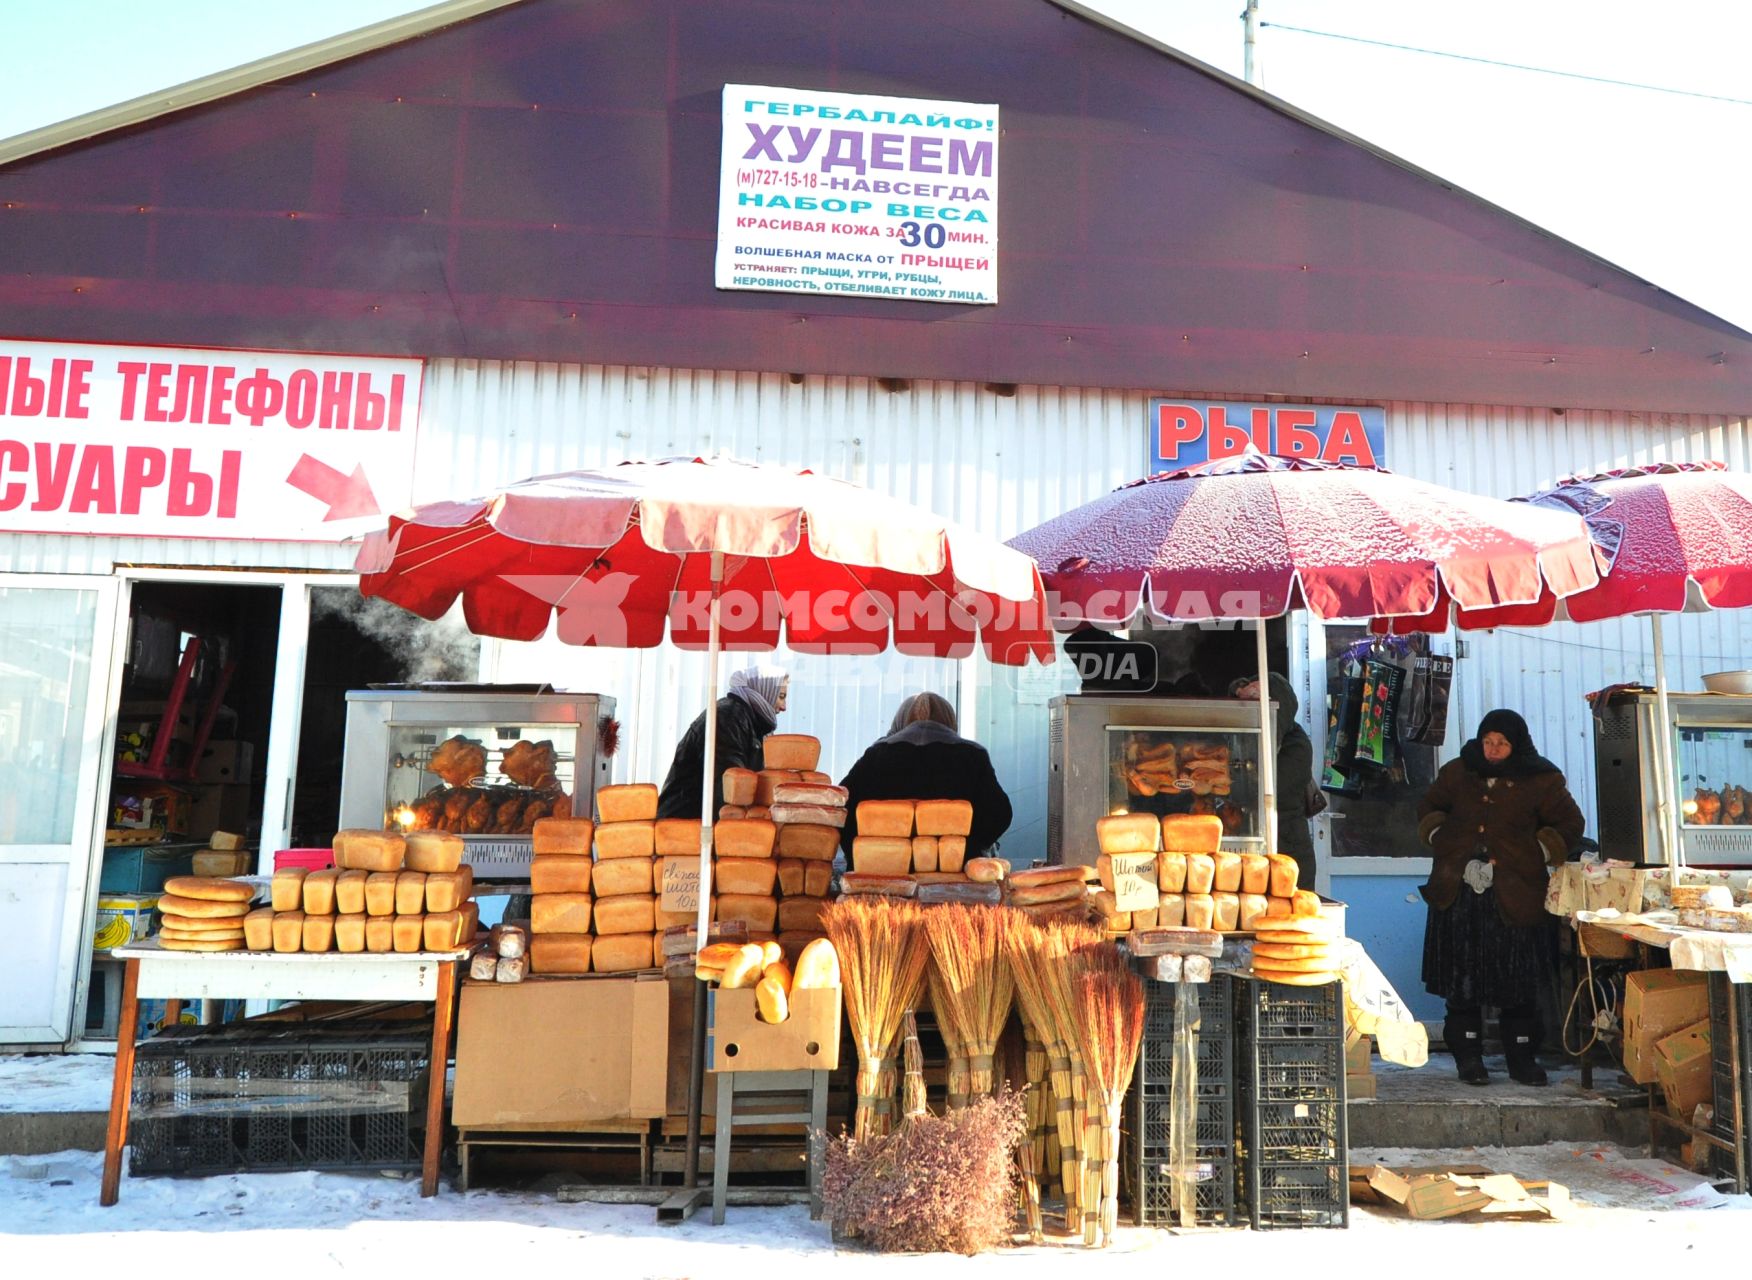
x=1000, y=460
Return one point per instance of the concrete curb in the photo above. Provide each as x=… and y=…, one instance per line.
x=35, y=1133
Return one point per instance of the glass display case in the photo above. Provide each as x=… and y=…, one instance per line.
x=1712, y=749
x=484, y=762
x=1137, y=754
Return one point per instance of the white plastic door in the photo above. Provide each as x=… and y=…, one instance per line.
x=56, y=638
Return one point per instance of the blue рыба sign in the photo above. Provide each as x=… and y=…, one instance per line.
x=1184, y=433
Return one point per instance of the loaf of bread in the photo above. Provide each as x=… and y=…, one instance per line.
x=1304, y=902
x=771, y=1002
x=854, y=882
x=791, y=876
x=1255, y=873
x=379, y=934
x=1227, y=876
x=622, y=953
x=288, y=931
x=1031, y=877
x=767, y=783
x=448, y=890
x=757, y=811
x=443, y=931
x=743, y=969
x=561, y=835
x=632, y=839
x=221, y=863
x=739, y=786
x=628, y=913
x=380, y=892
x=258, y=929
x=509, y=939
x=891, y=818
x=410, y=893
x=924, y=853
x=167, y=934
x=1171, y=872
x=986, y=870
x=745, y=875
x=817, y=967
x=319, y=892
x=745, y=838
x=1144, y=918
x=677, y=837
x=217, y=924
x=881, y=855
x=631, y=802
x=558, y=953
x=201, y=908
x=1039, y=895
x=816, y=815
x=206, y=943
x=759, y=912
x=800, y=913
x=560, y=873
x=817, y=879
x=516, y=968
x=350, y=932
x=1201, y=875
x=482, y=966
x=560, y=913
x=1192, y=832
x=790, y=751
x=1283, y=875
x=319, y=934
x=1253, y=908
x=824, y=794
x=433, y=851
x=619, y=876
x=1225, y=912
x=1201, y=911
x=361, y=850
x=951, y=853
x=809, y=841
x=1171, y=911
x=1128, y=833
x=471, y=921
x=209, y=887
x=943, y=817
x=1277, y=908
x=286, y=889
x=350, y=892
x=732, y=811
x=408, y=932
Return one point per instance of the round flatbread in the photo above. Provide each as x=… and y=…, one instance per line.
x=1291, y=951
x=194, y=924
x=1305, y=964
x=172, y=904
x=1296, y=979
x=185, y=944
x=209, y=888
x=1304, y=929
x=181, y=935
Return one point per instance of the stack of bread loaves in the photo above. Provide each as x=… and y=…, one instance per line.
x=386, y=892
x=785, y=757
x=745, y=876
x=561, y=906
x=203, y=913
x=1046, y=892
x=1301, y=951
x=901, y=837
x=625, y=879
x=1202, y=885
x=810, y=816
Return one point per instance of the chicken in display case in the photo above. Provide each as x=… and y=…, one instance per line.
x=1711, y=794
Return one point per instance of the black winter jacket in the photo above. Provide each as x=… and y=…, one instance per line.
x=740, y=731
x=927, y=761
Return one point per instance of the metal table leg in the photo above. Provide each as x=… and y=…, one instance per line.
x=725, y=1123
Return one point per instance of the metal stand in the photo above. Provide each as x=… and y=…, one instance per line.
x=795, y=1089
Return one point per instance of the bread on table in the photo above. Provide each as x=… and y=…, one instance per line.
x=363, y=850
x=758, y=911
x=677, y=837
x=824, y=794
x=855, y=882
x=1201, y=911
x=433, y=851
x=1128, y=833
x=286, y=889
x=767, y=783
x=790, y=751
x=951, y=853
x=561, y=835
x=380, y=892
x=1255, y=873
x=817, y=967
x=792, y=813
x=560, y=873
x=443, y=930
x=350, y=932
x=797, y=914
x=350, y=892
x=627, y=913
x=1041, y=894
x=889, y=818
x=1225, y=912
x=201, y=908
x=745, y=876
x=745, y=838
x=559, y=953
x=319, y=933
x=986, y=870
x=636, y=838
x=448, y=890
x=410, y=893
x=732, y=811
x=258, y=929
x=379, y=934
x=1253, y=908
x=1192, y=832
x=1284, y=873
x=319, y=892
x=924, y=853
x=619, y=876
x=739, y=786
x=621, y=953
x=790, y=876
x=881, y=855
x=630, y=802
x=817, y=879
x=288, y=932
x=211, y=888
x=1201, y=875
x=1031, y=877
x=818, y=842
x=561, y=913
x=408, y=931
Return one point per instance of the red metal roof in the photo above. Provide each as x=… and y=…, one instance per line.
x=540, y=183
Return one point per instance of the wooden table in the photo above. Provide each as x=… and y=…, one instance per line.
x=154, y=973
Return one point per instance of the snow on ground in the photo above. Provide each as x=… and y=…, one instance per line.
x=331, y=1224
x=55, y=1081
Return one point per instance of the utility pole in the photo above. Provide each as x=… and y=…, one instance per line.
x=1250, y=25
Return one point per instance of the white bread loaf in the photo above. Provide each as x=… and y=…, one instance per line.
x=562, y=835
x=816, y=815
x=1255, y=873
x=743, y=969
x=1128, y=833
x=286, y=889
x=890, y=818
x=619, y=876
x=739, y=786
x=809, y=841
x=319, y=892
x=630, y=913
x=202, y=908
x=790, y=751
x=951, y=853
x=853, y=882
x=881, y=855
x=1201, y=875
x=677, y=837
x=732, y=811
x=379, y=934
x=1171, y=872
x=746, y=875
x=1171, y=911
x=410, y=893
x=943, y=817
x=1304, y=903
x=1192, y=832
x=631, y=802
x=560, y=913
x=631, y=839
x=211, y=888
x=621, y=953
x=482, y=966
x=1253, y=908
x=1283, y=875
x=350, y=893
x=986, y=870
x=1144, y=919
x=817, y=967
x=363, y=850
x=798, y=914
x=559, y=953
x=443, y=930
x=258, y=929
x=1040, y=895
x=319, y=934
x=924, y=853
x=288, y=932
x=380, y=892
x=758, y=911
x=1227, y=877
x=745, y=838
x=433, y=851
x=448, y=890
x=1225, y=912
x=1201, y=911
x=350, y=932
x=812, y=793
x=559, y=873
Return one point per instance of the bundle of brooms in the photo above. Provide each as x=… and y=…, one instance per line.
x=883, y=952
x=1108, y=1017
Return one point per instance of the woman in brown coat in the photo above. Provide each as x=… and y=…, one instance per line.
x=1494, y=819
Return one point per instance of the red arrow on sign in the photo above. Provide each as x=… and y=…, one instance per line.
x=347, y=496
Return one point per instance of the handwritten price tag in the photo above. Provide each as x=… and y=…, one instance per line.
x=1134, y=881
x=681, y=885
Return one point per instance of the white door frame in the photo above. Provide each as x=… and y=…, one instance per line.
x=80, y=903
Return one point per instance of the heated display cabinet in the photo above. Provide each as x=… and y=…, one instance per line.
x=1712, y=789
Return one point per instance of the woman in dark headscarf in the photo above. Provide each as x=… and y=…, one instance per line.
x=1494, y=819
x=746, y=714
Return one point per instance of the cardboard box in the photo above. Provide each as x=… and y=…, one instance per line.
x=1360, y=1089
x=1682, y=1065
x=1658, y=1002
x=223, y=807
x=150, y=806
x=1358, y=1057
x=561, y=1053
x=1429, y=1194
x=123, y=918
x=228, y=761
x=808, y=1040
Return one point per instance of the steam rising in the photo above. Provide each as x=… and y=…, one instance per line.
x=441, y=650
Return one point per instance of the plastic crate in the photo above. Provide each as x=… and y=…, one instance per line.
x=259, y=1098
x=1213, y=1192
x=1273, y=1011
x=1314, y=1194
x=144, y=868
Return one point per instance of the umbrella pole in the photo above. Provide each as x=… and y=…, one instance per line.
x=696, y=1065
x=1267, y=747
x=1666, y=778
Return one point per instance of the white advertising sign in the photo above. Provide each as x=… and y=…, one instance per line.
x=183, y=443
x=863, y=196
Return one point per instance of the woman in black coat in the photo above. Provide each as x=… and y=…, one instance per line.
x=746, y=715
x=923, y=758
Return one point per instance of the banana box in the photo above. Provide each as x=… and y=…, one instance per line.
x=123, y=918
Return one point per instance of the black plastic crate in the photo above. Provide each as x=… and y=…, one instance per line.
x=255, y=1098
x=1215, y=1051
x=1307, y=1194
x=1274, y=1011
x=1299, y=1071
x=1213, y=1191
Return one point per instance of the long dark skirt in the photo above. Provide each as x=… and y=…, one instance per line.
x=1473, y=958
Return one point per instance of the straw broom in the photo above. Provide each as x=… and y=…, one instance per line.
x=954, y=1046
x=971, y=985
x=1109, y=1028
x=1063, y=939
x=882, y=954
